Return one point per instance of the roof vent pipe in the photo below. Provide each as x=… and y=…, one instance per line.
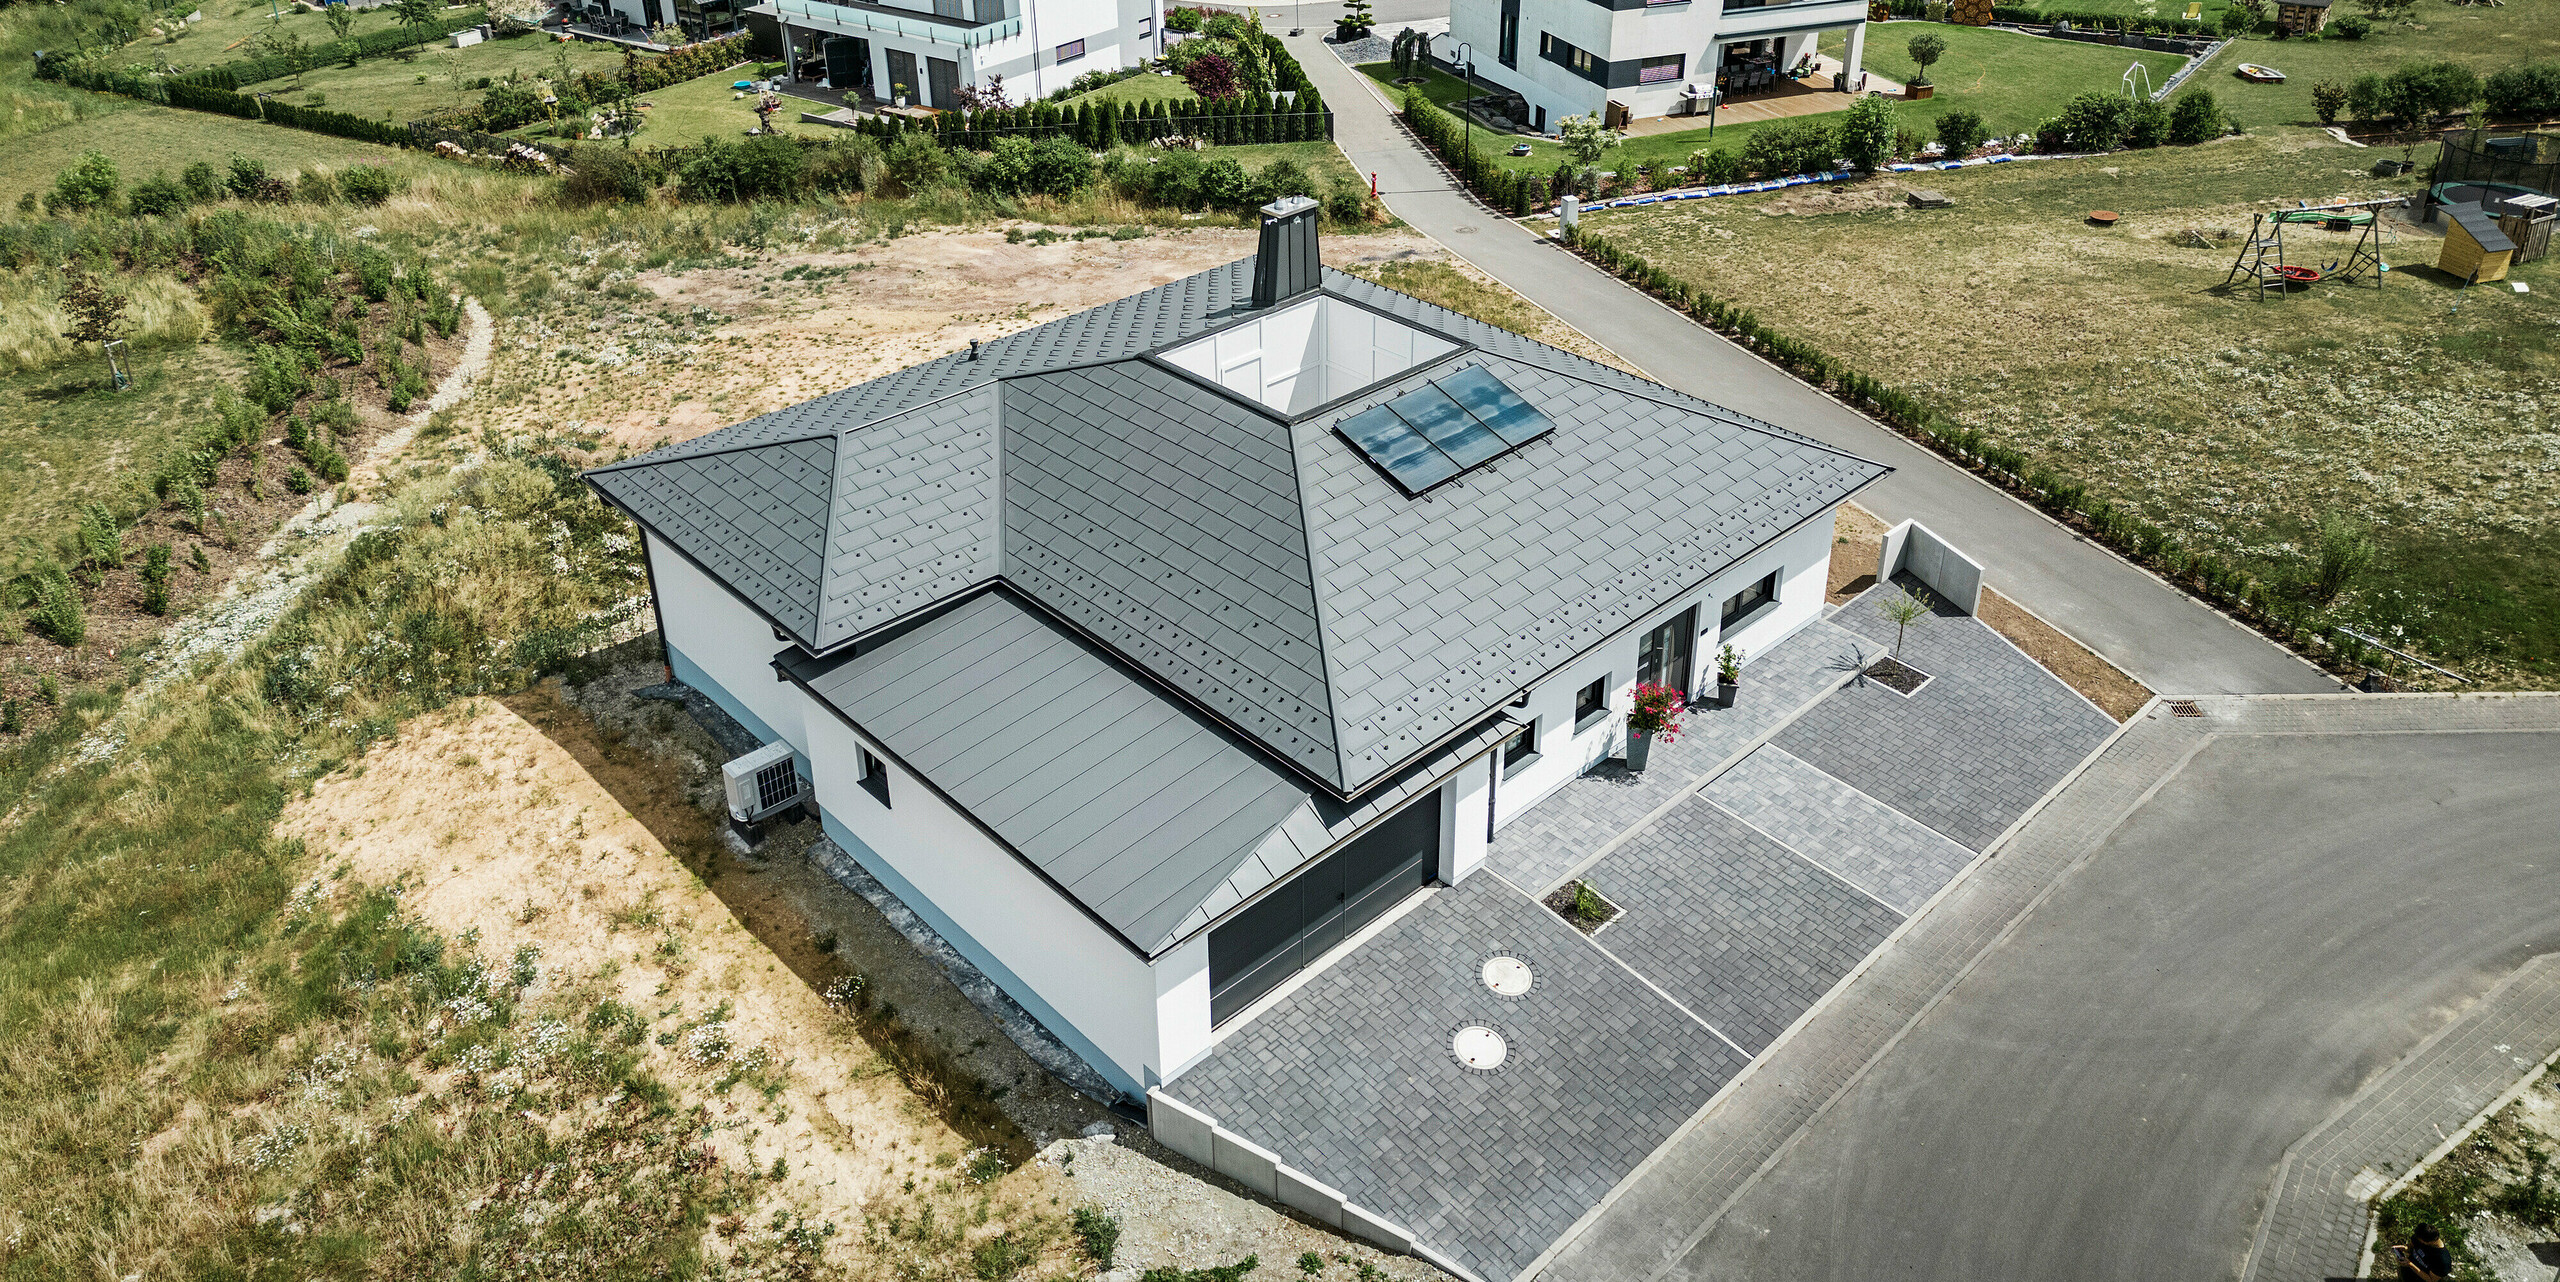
x=1286, y=265
x=973, y=349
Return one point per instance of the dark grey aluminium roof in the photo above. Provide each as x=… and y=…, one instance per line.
x=1262, y=570
x=1154, y=817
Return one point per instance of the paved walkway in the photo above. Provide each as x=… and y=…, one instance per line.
x=2168, y=641
x=2181, y=966
x=2317, y=1224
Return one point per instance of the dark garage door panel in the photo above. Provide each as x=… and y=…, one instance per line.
x=1321, y=907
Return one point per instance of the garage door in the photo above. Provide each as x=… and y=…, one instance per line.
x=1326, y=904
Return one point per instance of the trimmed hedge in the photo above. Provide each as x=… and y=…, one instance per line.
x=372, y=44
x=2204, y=573
x=2027, y=16
x=1099, y=125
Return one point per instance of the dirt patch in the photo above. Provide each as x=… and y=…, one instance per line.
x=1848, y=198
x=1168, y=1218
x=1895, y=675
x=1857, y=539
x=1582, y=906
x=2080, y=667
x=2495, y=1197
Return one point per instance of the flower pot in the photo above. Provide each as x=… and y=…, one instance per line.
x=1917, y=92
x=1726, y=690
x=1639, y=747
x=900, y=101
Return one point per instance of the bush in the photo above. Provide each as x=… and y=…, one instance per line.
x=369, y=185
x=1054, y=166
x=202, y=182
x=155, y=579
x=2196, y=118
x=90, y=182
x=1096, y=1231
x=1225, y=185
x=247, y=176
x=1282, y=177
x=1348, y=203
x=53, y=605
x=1714, y=168
x=316, y=188
x=1866, y=132
x=1799, y=146
x=2092, y=121
x=2354, y=26
x=2328, y=98
x=159, y=195
x=766, y=167
x=2147, y=124
x=1960, y=131
x=2530, y=91
x=1212, y=77
x=604, y=176
x=2415, y=94
x=916, y=164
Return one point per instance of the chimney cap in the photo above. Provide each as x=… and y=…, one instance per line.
x=1288, y=205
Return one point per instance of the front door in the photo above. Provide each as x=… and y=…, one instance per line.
x=1664, y=658
x=902, y=74
x=943, y=75
x=1293, y=925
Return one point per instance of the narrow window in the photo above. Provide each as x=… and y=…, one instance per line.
x=1520, y=750
x=1655, y=71
x=1070, y=51
x=875, y=777
x=1591, y=706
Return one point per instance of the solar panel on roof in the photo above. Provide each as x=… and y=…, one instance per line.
x=1495, y=405
x=1446, y=427
x=1415, y=463
x=1457, y=433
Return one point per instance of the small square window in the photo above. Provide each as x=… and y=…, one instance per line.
x=1591, y=706
x=1070, y=51
x=1520, y=750
x=1739, y=607
x=875, y=777
x=1146, y=28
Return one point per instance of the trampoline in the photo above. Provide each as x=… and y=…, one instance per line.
x=2475, y=192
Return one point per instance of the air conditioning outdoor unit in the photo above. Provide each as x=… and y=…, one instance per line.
x=762, y=783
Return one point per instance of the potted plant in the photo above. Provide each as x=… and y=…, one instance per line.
x=1656, y=714
x=898, y=95
x=1728, y=676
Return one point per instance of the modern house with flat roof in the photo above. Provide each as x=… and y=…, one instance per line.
x=1149, y=653
x=1647, y=58
x=927, y=50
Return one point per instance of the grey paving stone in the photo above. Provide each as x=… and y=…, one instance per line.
x=1969, y=753
x=1871, y=845
x=1537, y=849
x=1350, y=1078
x=1743, y=931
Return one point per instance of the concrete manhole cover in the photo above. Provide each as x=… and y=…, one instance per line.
x=1479, y=1048
x=1507, y=975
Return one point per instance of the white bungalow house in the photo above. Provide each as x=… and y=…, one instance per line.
x=1149, y=653
x=927, y=50
x=1649, y=58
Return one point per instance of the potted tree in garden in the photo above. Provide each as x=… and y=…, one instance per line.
x=1728, y=676
x=1925, y=48
x=1656, y=714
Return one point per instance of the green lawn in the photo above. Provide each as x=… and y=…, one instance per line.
x=2235, y=423
x=1323, y=160
x=65, y=439
x=2013, y=80
x=144, y=138
x=682, y=115
x=397, y=88
x=1148, y=87
x=2483, y=38
x=1439, y=86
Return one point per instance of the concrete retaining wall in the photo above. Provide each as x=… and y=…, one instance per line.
x=1196, y=1135
x=1953, y=576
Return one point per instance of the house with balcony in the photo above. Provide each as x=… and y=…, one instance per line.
x=1150, y=653
x=1628, y=60
x=926, y=51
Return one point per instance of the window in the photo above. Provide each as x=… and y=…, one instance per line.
x=1507, y=43
x=1741, y=606
x=1591, y=706
x=1655, y=71
x=1147, y=27
x=1070, y=51
x=1580, y=61
x=875, y=776
x=1520, y=750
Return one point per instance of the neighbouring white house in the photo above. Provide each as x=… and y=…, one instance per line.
x=1151, y=652
x=927, y=50
x=1639, y=59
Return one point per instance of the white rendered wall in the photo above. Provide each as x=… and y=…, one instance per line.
x=1464, y=834
x=1183, y=1033
x=1802, y=559
x=1060, y=964
x=1299, y=357
x=721, y=646
x=1692, y=30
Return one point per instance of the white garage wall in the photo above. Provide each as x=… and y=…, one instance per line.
x=1070, y=973
x=719, y=645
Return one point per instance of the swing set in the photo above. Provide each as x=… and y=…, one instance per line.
x=2262, y=258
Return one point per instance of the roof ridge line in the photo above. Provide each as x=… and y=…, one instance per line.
x=1315, y=598
x=1748, y=423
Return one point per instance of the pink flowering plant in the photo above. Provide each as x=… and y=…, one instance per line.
x=1657, y=711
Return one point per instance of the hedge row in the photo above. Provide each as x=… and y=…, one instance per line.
x=2027, y=16
x=1512, y=191
x=1101, y=124
x=685, y=62
x=2204, y=573
x=198, y=97
x=372, y=44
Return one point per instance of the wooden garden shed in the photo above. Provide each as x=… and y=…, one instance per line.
x=2299, y=17
x=2474, y=248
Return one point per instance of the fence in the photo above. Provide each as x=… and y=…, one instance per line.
x=2526, y=160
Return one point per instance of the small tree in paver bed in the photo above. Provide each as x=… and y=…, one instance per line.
x=1587, y=903
x=1904, y=608
x=1926, y=48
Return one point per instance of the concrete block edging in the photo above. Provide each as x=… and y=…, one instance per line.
x=1196, y=1135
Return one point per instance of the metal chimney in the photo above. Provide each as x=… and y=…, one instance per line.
x=1286, y=265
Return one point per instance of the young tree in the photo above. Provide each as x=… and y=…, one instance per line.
x=415, y=15
x=1356, y=18
x=1904, y=608
x=1212, y=77
x=97, y=313
x=2345, y=551
x=342, y=19
x=1866, y=132
x=90, y=182
x=1926, y=48
x=1960, y=131
x=1585, y=139
x=2328, y=98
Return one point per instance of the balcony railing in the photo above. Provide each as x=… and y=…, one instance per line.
x=1747, y=6
x=913, y=26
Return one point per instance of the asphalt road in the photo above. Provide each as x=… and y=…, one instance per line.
x=2169, y=641
x=2107, y=1094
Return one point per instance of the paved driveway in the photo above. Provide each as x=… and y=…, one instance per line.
x=2107, y=1093
x=2170, y=642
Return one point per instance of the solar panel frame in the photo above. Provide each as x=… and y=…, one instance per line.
x=1502, y=411
x=1447, y=424
x=1405, y=455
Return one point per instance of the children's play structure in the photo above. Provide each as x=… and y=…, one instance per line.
x=2262, y=260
